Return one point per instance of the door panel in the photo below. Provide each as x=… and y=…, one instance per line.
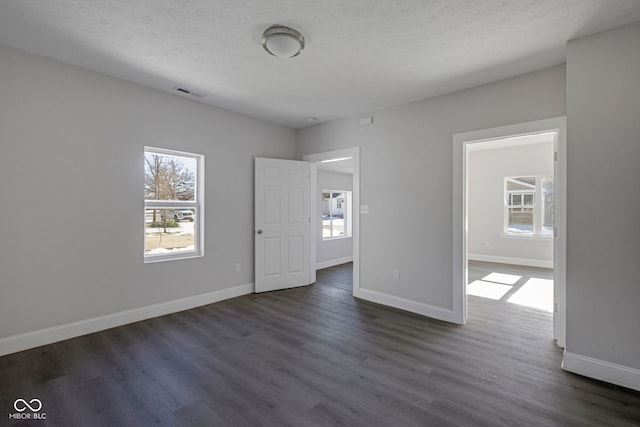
x=296, y=263
x=271, y=248
x=296, y=203
x=272, y=204
x=282, y=237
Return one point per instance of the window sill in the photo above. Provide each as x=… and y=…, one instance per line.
x=161, y=258
x=326, y=239
x=523, y=236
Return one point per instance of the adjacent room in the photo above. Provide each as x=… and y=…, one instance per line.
x=415, y=213
x=510, y=213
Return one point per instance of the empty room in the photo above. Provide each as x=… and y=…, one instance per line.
x=302, y=213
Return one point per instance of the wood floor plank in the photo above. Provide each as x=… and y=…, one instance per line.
x=316, y=356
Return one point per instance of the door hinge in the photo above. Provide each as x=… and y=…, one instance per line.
x=555, y=156
x=555, y=307
x=555, y=231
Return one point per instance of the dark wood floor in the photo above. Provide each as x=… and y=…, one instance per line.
x=339, y=276
x=314, y=356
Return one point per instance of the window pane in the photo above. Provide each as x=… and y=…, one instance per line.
x=337, y=211
x=520, y=220
x=326, y=214
x=516, y=199
x=521, y=183
x=169, y=231
x=326, y=227
x=528, y=199
x=548, y=204
x=527, y=180
x=334, y=213
x=326, y=205
x=338, y=227
x=169, y=177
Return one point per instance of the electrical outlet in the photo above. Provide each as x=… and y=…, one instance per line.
x=237, y=267
x=396, y=274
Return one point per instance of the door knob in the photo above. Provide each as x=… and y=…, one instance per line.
x=259, y=231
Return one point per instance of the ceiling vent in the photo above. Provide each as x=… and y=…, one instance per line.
x=187, y=91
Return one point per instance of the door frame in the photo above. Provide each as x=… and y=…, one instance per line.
x=460, y=197
x=314, y=159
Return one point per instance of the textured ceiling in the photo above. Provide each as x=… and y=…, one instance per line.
x=360, y=56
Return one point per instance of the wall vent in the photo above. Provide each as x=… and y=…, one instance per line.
x=187, y=91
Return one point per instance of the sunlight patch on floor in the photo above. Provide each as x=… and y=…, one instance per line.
x=535, y=293
x=506, y=279
x=489, y=290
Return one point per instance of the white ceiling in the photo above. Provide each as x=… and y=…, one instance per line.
x=360, y=56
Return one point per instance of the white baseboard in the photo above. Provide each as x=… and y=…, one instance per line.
x=407, y=305
x=600, y=370
x=332, y=262
x=511, y=260
x=53, y=334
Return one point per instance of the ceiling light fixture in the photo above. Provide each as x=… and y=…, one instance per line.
x=283, y=42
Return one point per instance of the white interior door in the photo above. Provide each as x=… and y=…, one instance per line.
x=282, y=224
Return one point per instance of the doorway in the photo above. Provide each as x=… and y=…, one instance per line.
x=340, y=161
x=518, y=192
x=510, y=217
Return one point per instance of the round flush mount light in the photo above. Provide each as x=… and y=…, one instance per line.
x=283, y=42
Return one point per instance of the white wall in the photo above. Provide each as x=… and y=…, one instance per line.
x=406, y=180
x=71, y=182
x=333, y=251
x=603, y=212
x=486, y=172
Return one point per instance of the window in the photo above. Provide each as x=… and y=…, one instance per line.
x=336, y=214
x=173, y=199
x=523, y=214
x=548, y=204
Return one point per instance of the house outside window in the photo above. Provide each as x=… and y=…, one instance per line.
x=529, y=205
x=173, y=199
x=336, y=214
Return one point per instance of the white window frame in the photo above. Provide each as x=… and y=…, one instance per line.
x=346, y=210
x=537, y=208
x=196, y=205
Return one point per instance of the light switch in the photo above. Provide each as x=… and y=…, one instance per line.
x=364, y=209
